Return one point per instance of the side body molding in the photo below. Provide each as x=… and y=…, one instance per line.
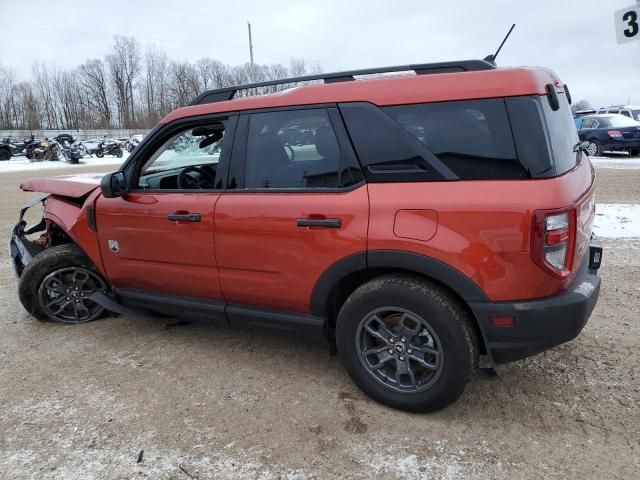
x=411, y=262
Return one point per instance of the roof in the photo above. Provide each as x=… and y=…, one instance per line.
x=396, y=90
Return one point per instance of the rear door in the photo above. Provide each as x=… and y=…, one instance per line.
x=159, y=237
x=296, y=204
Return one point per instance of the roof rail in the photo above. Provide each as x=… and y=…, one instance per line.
x=227, y=93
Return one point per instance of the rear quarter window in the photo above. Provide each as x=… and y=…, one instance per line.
x=473, y=138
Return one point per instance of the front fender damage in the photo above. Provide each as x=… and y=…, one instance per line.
x=22, y=249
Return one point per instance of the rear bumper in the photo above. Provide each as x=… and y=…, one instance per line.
x=539, y=324
x=621, y=144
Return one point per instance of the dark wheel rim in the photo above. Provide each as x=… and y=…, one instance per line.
x=399, y=349
x=63, y=295
x=592, y=149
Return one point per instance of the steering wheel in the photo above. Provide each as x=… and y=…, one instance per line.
x=204, y=180
x=291, y=151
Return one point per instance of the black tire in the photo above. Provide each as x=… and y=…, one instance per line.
x=634, y=152
x=450, y=329
x=67, y=258
x=99, y=154
x=5, y=154
x=594, y=149
x=118, y=152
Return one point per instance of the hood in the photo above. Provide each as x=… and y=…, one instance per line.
x=74, y=186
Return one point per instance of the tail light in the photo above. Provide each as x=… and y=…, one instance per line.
x=553, y=240
x=614, y=133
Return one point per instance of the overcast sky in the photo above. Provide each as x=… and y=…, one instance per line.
x=575, y=38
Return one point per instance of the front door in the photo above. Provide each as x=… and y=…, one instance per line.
x=159, y=237
x=296, y=204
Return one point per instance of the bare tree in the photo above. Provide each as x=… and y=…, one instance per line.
x=7, y=79
x=124, y=90
x=93, y=78
x=154, y=87
x=213, y=74
x=580, y=105
x=124, y=66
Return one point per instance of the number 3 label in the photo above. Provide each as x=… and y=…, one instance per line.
x=627, y=23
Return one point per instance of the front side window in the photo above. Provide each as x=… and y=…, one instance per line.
x=187, y=160
x=293, y=149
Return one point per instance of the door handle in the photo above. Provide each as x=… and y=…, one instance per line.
x=319, y=222
x=184, y=217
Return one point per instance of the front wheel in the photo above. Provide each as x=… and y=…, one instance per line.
x=5, y=154
x=99, y=154
x=406, y=343
x=117, y=152
x=57, y=283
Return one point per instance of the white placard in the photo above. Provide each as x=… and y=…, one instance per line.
x=627, y=22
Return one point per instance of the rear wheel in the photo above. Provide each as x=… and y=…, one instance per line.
x=594, y=149
x=99, y=154
x=5, y=154
x=118, y=152
x=406, y=343
x=634, y=152
x=56, y=285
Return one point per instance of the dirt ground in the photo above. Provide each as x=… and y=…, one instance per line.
x=202, y=402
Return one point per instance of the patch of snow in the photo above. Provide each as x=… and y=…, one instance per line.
x=22, y=164
x=617, y=220
x=619, y=163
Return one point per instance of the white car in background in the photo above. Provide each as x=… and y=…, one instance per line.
x=631, y=111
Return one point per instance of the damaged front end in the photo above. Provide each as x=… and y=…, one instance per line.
x=23, y=249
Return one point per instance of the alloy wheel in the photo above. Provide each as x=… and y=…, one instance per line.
x=64, y=295
x=399, y=349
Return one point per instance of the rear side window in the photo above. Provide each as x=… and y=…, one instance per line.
x=293, y=149
x=458, y=140
x=473, y=138
x=563, y=135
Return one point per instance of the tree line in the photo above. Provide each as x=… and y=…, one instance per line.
x=131, y=87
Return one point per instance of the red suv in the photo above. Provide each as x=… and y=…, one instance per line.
x=424, y=224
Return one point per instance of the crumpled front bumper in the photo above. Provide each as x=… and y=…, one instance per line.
x=21, y=249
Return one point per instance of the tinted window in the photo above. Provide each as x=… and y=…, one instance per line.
x=293, y=149
x=473, y=138
x=625, y=113
x=387, y=151
x=562, y=134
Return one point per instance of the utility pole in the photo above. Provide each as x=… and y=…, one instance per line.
x=251, y=54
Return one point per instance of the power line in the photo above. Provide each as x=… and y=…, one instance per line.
x=111, y=34
x=262, y=25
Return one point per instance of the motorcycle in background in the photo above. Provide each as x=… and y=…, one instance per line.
x=82, y=148
x=70, y=153
x=108, y=148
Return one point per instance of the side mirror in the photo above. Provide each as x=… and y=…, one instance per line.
x=113, y=185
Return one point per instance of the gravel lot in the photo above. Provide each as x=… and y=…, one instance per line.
x=205, y=402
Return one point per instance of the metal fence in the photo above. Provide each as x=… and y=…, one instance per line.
x=78, y=134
